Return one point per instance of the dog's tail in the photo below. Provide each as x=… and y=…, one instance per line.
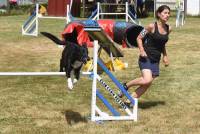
x=53, y=38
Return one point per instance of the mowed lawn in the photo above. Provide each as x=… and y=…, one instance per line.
x=42, y=104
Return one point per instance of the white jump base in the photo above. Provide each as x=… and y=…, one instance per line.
x=37, y=73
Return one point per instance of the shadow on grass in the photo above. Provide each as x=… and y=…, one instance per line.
x=73, y=117
x=149, y=104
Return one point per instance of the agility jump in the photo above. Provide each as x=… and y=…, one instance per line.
x=128, y=14
x=97, y=34
x=30, y=27
x=96, y=113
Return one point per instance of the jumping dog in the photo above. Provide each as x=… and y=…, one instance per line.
x=73, y=56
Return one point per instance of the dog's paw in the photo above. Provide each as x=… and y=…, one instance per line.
x=70, y=83
x=75, y=81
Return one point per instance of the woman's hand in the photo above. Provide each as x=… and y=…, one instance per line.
x=143, y=54
x=165, y=61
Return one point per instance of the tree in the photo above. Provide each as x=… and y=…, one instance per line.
x=8, y=6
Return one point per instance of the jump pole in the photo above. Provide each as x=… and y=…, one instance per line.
x=37, y=73
x=94, y=83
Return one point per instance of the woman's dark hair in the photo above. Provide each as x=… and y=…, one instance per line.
x=160, y=9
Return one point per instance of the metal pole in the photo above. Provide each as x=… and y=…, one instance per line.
x=136, y=6
x=37, y=73
x=71, y=2
x=154, y=8
x=83, y=8
x=98, y=8
x=94, y=83
x=67, y=15
x=126, y=6
x=30, y=73
x=37, y=24
x=8, y=6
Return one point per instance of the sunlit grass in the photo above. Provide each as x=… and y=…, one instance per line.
x=43, y=105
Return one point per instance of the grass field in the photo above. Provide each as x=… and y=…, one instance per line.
x=30, y=105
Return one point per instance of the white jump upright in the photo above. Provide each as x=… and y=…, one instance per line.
x=30, y=27
x=96, y=113
x=94, y=83
x=180, y=14
x=128, y=15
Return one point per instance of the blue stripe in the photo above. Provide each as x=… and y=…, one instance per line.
x=107, y=104
x=93, y=15
x=132, y=15
x=29, y=19
x=117, y=83
x=32, y=28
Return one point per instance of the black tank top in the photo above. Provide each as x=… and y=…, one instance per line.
x=154, y=43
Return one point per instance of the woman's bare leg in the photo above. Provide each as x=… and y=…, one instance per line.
x=144, y=80
x=140, y=90
x=144, y=83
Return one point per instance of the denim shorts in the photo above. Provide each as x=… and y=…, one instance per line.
x=145, y=63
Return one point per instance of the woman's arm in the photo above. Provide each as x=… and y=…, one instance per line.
x=165, y=57
x=140, y=44
x=141, y=36
x=170, y=29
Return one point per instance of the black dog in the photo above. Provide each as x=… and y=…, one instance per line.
x=73, y=56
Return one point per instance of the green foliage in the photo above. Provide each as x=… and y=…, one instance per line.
x=20, y=10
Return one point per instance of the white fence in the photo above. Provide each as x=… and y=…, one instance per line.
x=22, y=2
x=193, y=7
x=170, y=3
x=27, y=2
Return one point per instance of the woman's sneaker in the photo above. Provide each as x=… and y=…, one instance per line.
x=120, y=94
x=128, y=104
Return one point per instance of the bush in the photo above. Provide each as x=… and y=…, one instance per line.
x=20, y=9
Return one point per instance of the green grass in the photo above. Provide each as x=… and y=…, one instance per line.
x=43, y=105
